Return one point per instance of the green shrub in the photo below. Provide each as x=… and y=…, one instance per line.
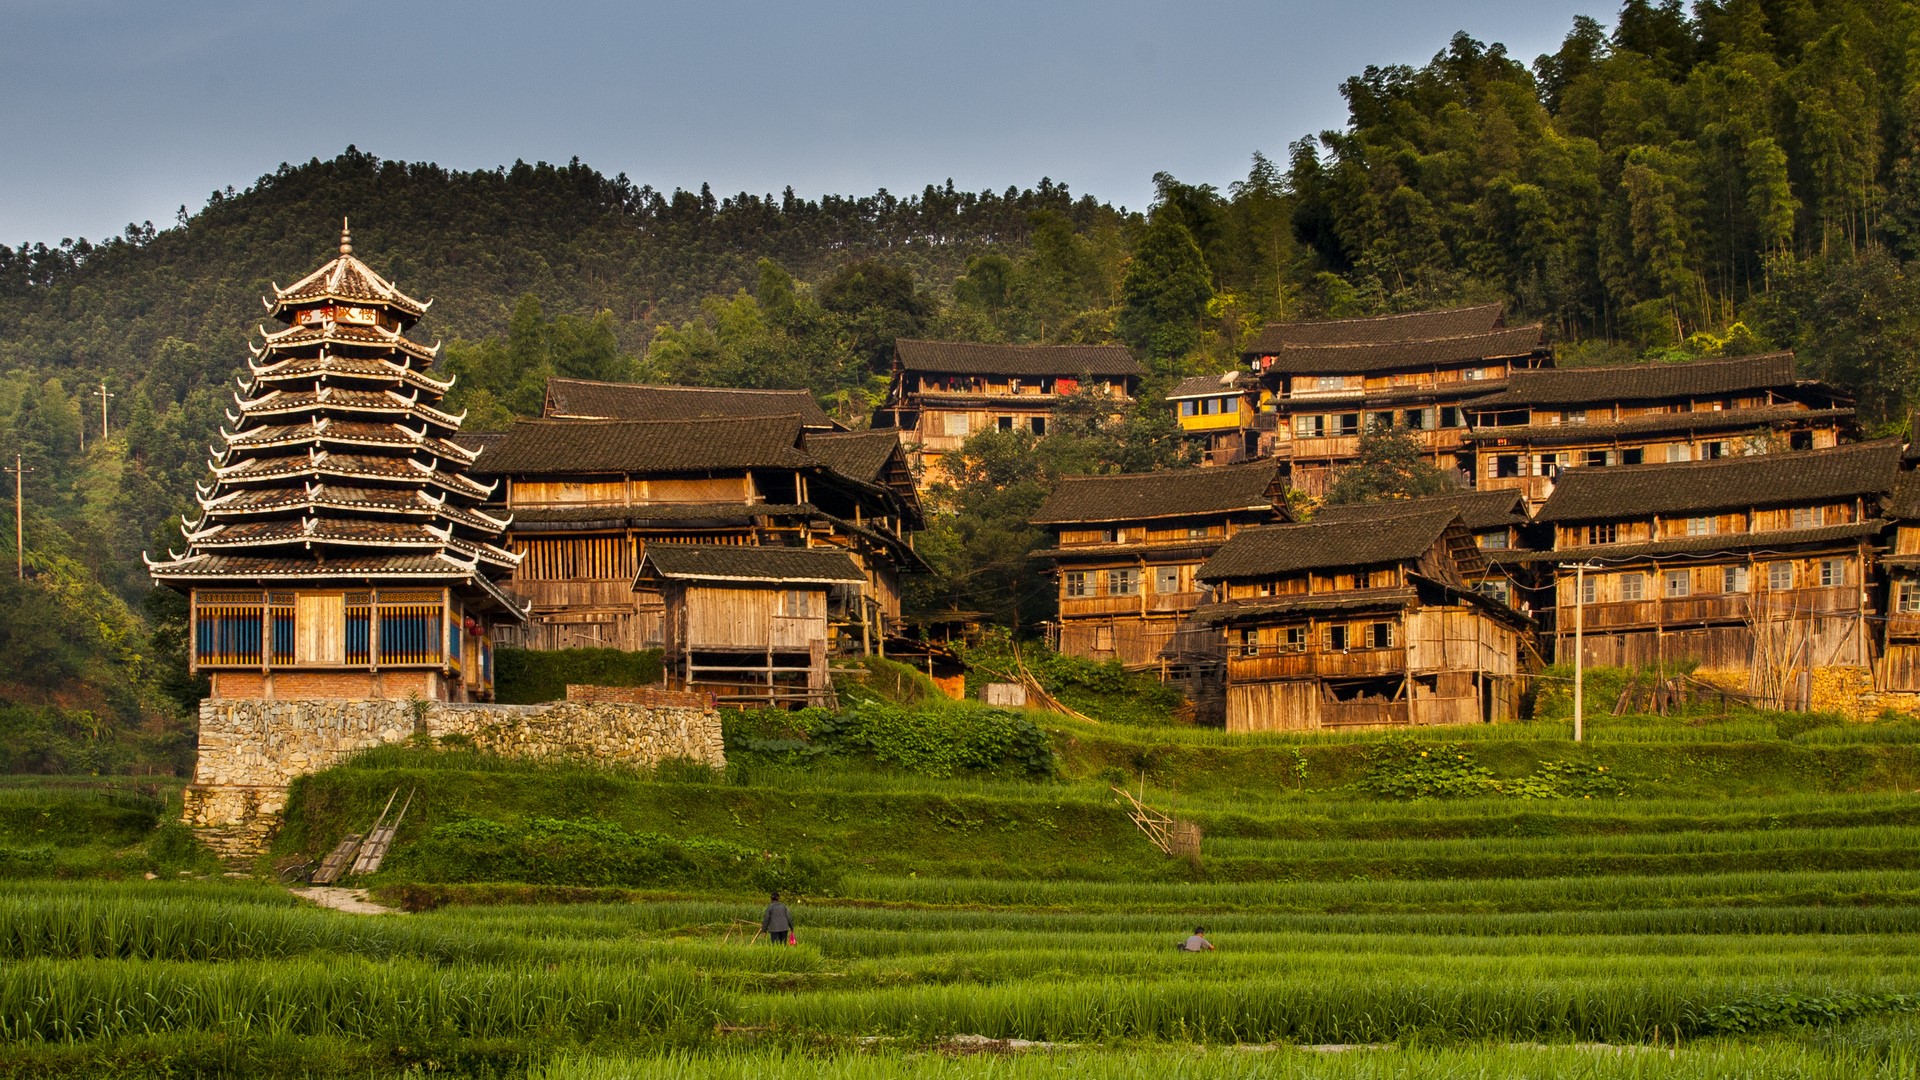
x=1103, y=689
x=526, y=677
x=942, y=742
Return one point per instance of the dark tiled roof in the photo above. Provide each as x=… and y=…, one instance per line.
x=733, y=562
x=347, y=278
x=679, y=513
x=477, y=440
x=1778, y=540
x=1477, y=509
x=1643, y=382
x=1905, y=503
x=1413, y=326
x=1358, y=358
x=1657, y=423
x=1844, y=472
x=969, y=358
x=581, y=398
x=1204, y=386
x=1286, y=549
x=247, y=566
x=861, y=455
x=1142, y=496
x=541, y=447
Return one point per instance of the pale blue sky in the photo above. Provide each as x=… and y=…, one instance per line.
x=122, y=110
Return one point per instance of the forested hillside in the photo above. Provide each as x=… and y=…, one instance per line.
x=1715, y=179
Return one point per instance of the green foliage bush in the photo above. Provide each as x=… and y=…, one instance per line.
x=1407, y=768
x=527, y=677
x=942, y=741
x=560, y=851
x=1102, y=689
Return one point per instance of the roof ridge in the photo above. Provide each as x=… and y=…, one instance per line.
x=1888, y=442
x=677, y=386
x=1013, y=345
x=1658, y=365
x=1477, y=334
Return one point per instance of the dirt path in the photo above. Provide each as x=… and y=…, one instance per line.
x=351, y=901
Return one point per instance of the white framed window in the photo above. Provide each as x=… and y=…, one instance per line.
x=1186, y=408
x=1310, y=427
x=1473, y=374
x=955, y=424
x=1779, y=575
x=1377, y=635
x=1679, y=452
x=1166, y=579
x=1590, y=589
x=1294, y=639
x=1806, y=517
x=1603, y=534
x=1907, y=597
x=1074, y=583
x=1330, y=382
x=1733, y=579
x=799, y=603
x=1499, y=590
x=1633, y=586
x=1337, y=638
x=1700, y=526
x=1833, y=572
x=1679, y=583
x=1492, y=541
x=1249, y=642
x=1573, y=416
x=1123, y=582
x=1347, y=423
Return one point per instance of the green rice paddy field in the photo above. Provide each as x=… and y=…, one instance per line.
x=994, y=928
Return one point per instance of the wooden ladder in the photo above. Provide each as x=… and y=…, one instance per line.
x=381, y=838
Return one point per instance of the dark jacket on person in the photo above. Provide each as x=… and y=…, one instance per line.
x=777, y=920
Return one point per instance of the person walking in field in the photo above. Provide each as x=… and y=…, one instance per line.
x=778, y=922
x=1198, y=942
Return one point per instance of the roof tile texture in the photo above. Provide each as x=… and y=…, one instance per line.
x=970, y=358
x=1286, y=549
x=1626, y=491
x=1413, y=326
x=1176, y=493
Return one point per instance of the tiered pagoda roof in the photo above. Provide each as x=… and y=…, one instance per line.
x=341, y=466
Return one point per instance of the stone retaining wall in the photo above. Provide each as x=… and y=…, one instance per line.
x=251, y=750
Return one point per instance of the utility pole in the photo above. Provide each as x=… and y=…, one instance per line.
x=19, y=472
x=1579, y=651
x=103, y=396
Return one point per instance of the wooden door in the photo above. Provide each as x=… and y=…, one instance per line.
x=320, y=622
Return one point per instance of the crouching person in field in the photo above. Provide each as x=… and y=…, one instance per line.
x=777, y=922
x=1198, y=942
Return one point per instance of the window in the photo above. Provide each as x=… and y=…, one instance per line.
x=1249, y=642
x=1111, y=536
x=1197, y=532
x=1806, y=517
x=1549, y=464
x=1005, y=423
x=1166, y=579
x=1294, y=639
x=1590, y=589
x=955, y=424
x=1599, y=458
x=1336, y=639
x=1377, y=635
x=1499, y=590
x=1632, y=457
x=1679, y=583
x=1450, y=417
x=1506, y=465
x=1833, y=572
x=1573, y=416
x=1800, y=440
x=1037, y=425
x=1679, y=452
x=1473, y=374
x=1074, y=583
x=799, y=603
x=1700, y=526
x=1633, y=586
x=1310, y=427
x=1493, y=541
x=1907, y=597
x=1733, y=579
x=1420, y=419
x=1330, y=382
x=1780, y=575
x=1186, y=408
x=1123, y=582
x=1603, y=534
x=1349, y=423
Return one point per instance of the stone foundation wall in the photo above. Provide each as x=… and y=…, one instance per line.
x=251, y=750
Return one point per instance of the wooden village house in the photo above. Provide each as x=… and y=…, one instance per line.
x=1762, y=568
x=1898, y=669
x=751, y=624
x=1361, y=623
x=584, y=399
x=1498, y=521
x=341, y=551
x=1220, y=415
x=589, y=497
x=1126, y=549
x=1546, y=422
x=945, y=391
x=1332, y=380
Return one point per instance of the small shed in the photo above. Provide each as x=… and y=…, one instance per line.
x=752, y=624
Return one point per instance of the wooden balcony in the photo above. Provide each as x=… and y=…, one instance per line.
x=1721, y=608
x=1088, y=607
x=1355, y=663
x=1334, y=714
x=1903, y=626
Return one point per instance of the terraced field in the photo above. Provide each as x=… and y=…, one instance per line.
x=993, y=929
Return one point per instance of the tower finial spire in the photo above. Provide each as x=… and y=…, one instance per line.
x=346, y=238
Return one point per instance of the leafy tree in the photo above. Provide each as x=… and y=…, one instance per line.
x=1390, y=466
x=1164, y=295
